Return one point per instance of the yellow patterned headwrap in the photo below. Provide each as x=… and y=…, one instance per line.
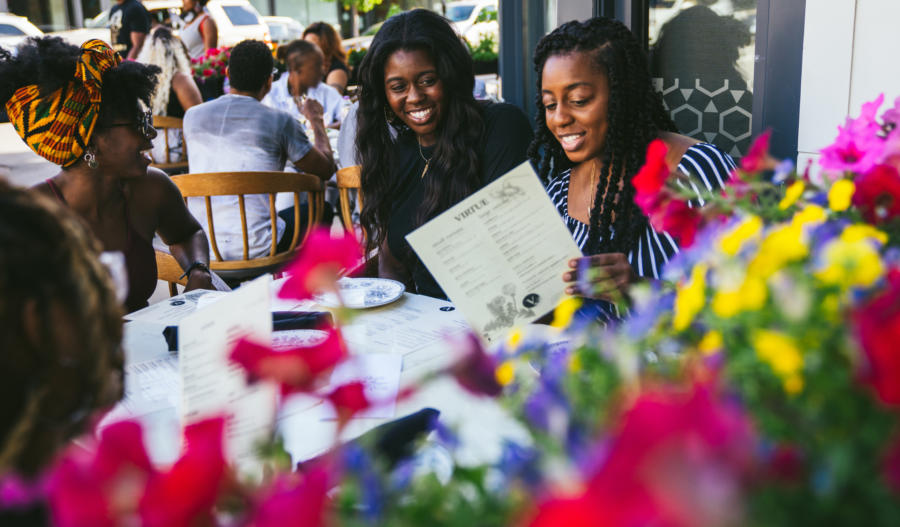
x=59, y=125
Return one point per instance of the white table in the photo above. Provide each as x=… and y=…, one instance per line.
x=414, y=326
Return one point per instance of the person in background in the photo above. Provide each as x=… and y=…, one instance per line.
x=82, y=108
x=417, y=77
x=175, y=91
x=304, y=80
x=129, y=23
x=200, y=32
x=597, y=113
x=60, y=331
x=236, y=132
x=334, y=67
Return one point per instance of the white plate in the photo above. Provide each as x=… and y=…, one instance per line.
x=361, y=293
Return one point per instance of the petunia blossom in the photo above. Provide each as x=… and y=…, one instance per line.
x=877, y=194
x=758, y=158
x=294, y=500
x=348, y=400
x=858, y=146
x=295, y=369
x=476, y=370
x=319, y=264
x=654, y=173
x=677, y=218
x=876, y=324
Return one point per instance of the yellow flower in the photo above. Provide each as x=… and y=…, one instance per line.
x=792, y=194
x=690, y=298
x=780, y=352
x=831, y=305
x=575, y=363
x=840, y=194
x=505, y=373
x=710, y=343
x=783, y=245
x=750, y=296
x=863, y=231
x=811, y=214
x=514, y=338
x=850, y=264
x=562, y=315
x=733, y=241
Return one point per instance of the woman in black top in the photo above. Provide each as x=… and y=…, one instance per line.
x=417, y=79
x=336, y=73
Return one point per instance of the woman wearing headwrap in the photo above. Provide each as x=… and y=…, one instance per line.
x=83, y=109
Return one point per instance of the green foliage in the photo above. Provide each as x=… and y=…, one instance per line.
x=486, y=50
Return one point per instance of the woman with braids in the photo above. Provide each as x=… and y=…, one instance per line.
x=417, y=79
x=597, y=113
x=81, y=108
x=334, y=67
x=60, y=332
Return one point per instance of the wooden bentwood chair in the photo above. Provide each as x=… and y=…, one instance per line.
x=347, y=180
x=240, y=184
x=163, y=124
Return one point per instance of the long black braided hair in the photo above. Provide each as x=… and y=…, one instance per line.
x=455, y=169
x=635, y=116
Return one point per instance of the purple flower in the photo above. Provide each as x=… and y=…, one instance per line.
x=519, y=462
x=858, y=147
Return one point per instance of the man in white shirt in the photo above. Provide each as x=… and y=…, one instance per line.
x=304, y=80
x=236, y=132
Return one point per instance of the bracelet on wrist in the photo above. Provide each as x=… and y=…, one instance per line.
x=193, y=267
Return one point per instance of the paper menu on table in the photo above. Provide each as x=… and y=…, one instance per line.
x=499, y=254
x=212, y=385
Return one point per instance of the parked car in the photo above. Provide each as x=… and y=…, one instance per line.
x=364, y=39
x=237, y=20
x=14, y=29
x=283, y=29
x=473, y=19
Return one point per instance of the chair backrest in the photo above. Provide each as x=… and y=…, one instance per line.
x=169, y=270
x=347, y=180
x=164, y=123
x=243, y=183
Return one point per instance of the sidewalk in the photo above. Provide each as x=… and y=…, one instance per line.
x=18, y=164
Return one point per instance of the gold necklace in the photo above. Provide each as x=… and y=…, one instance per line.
x=422, y=155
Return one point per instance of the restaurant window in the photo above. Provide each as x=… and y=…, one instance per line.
x=702, y=61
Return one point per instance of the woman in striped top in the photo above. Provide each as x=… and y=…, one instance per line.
x=597, y=112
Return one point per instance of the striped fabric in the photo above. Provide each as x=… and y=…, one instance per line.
x=707, y=167
x=59, y=125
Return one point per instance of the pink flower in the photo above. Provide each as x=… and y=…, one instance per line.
x=757, y=158
x=674, y=217
x=892, y=115
x=319, y=264
x=188, y=491
x=577, y=511
x=348, y=400
x=877, y=328
x=476, y=370
x=653, y=174
x=295, y=369
x=212, y=51
x=857, y=147
x=209, y=72
x=294, y=500
x=877, y=194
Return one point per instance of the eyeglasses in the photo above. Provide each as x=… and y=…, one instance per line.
x=144, y=125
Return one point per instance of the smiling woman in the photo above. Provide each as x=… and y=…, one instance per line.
x=83, y=109
x=417, y=80
x=597, y=113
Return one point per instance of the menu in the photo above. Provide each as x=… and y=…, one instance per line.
x=212, y=386
x=499, y=254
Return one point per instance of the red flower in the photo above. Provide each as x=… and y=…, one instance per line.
x=579, y=511
x=98, y=487
x=678, y=219
x=891, y=467
x=348, y=400
x=758, y=158
x=209, y=72
x=319, y=264
x=677, y=459
x=654, y=173
x=476, y=370
x=877, y=194
x=877, y=327
x=295, y=369
x=188, y=491
x=294, y=500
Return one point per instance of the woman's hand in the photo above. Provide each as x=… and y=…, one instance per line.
x=199, y=279
x=311, y=109
x=604, y=276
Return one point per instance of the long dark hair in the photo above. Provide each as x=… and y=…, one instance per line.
x=636, y=116
x=329, y=41
x=455, y=168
